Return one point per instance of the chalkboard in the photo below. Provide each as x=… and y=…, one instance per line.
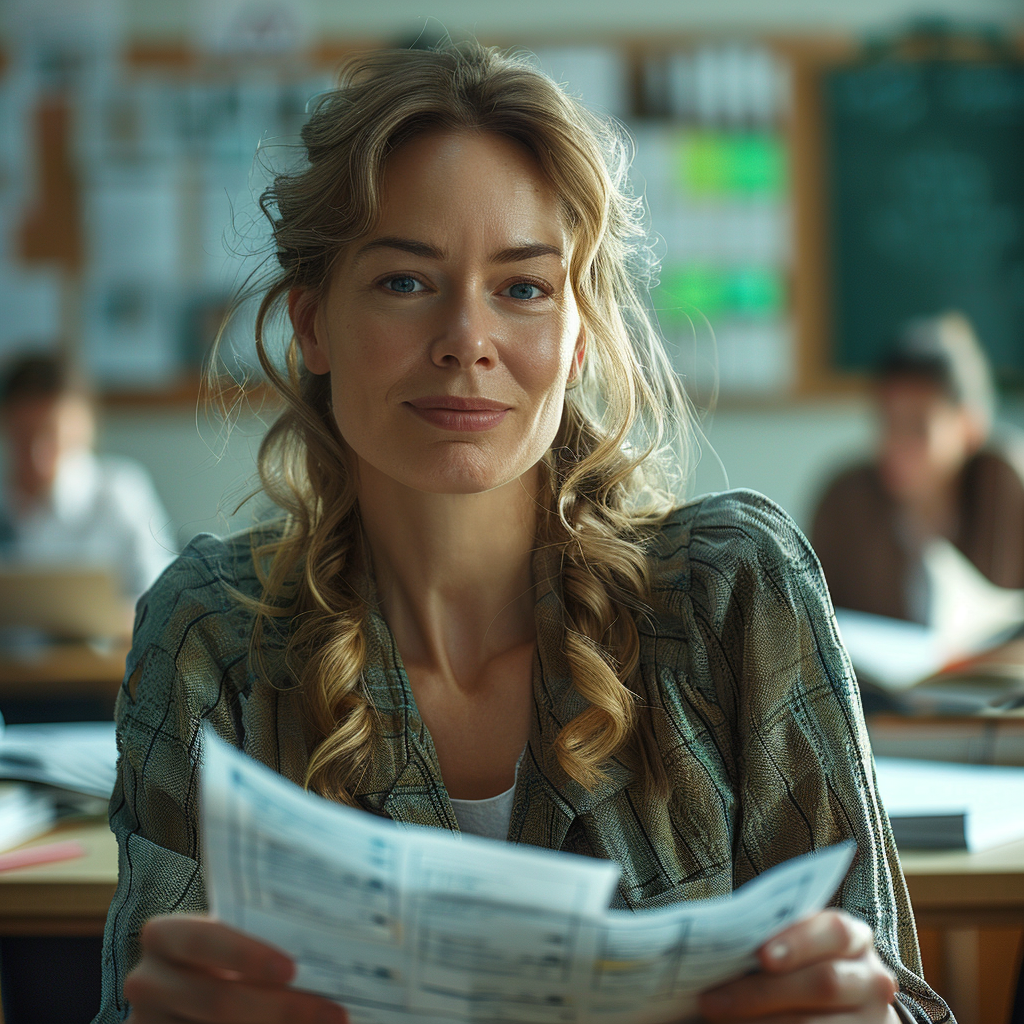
x=926, y=180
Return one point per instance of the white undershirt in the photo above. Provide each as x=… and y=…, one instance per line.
x=488, y=817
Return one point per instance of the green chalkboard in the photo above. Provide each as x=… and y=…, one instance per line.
x=926, y=186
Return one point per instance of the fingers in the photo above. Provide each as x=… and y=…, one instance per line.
x=194, y=969
x=880, y=1015
x=827, y=935
x=861, y=984
x=163, y=992
x=201, y=942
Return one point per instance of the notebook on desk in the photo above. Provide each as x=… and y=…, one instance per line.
x=62, y=603
x=937, y=805
x=970, y=659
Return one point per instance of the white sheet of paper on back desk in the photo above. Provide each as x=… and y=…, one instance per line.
x=419, y=924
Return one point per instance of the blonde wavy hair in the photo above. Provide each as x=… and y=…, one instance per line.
x=615, y=468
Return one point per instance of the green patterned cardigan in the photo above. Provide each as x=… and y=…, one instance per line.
x=755, y=709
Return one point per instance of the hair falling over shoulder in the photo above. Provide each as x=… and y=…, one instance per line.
x=619, y=460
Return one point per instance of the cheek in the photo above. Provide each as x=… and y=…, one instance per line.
x=543, y=359
x=549, y=372
x=356, y=370
x=947, y=445
x=364, y=362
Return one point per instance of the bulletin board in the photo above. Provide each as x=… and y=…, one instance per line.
x=796, y=235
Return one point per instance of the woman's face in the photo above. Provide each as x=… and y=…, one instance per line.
x=451, y=330
x=924, y=440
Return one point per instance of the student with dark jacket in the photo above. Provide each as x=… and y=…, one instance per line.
x=937, y=473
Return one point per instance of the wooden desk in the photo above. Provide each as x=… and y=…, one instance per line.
x=950, y=888
x=69, y=897
x=969, y=908
x=73, y=669
x=970, y=919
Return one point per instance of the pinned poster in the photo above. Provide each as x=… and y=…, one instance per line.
x=254, y=27
x=130, y=335
x=755, y=356
x=595, y=74
x=30, y=301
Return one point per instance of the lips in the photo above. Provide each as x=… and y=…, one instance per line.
x=459, y=413
x=458, y=403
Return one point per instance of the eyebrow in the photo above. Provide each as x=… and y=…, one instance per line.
x=511, y=254
x=424, y=249
x=528, y=251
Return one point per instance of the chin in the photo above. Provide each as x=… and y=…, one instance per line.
x=459, y=483
x=469, y=471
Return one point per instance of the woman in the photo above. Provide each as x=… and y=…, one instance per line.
x=480, y=598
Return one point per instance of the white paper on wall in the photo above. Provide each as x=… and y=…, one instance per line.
x=30, y=308
x=249, y=26
x=133, y=222
x=131, y=332
x=595, y=74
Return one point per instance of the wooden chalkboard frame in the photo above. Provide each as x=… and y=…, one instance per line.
x=814, y=271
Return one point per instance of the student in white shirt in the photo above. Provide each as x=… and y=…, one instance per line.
x=64, y=504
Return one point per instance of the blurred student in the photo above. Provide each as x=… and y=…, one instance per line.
x=64, y=505
x=937, y=473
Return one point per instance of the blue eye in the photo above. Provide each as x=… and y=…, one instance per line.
x=524, y=290
x=402, y=285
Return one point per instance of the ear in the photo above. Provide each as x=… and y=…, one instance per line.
x=303, y=307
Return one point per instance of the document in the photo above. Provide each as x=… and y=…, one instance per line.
x=968, y=615
x=411, y=924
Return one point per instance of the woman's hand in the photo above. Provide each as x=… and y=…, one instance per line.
x=197, y=969
x=824, y=968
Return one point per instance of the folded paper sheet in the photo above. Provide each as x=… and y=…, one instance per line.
x=403, y=924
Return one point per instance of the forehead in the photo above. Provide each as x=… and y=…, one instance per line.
x=471, y=184
x=913, y=396
x=37, y=408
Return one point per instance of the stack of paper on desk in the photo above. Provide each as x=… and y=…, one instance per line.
x=936, y=804
x=25, y=812
x=77, y=756
x=417, y=924
x=970, y=658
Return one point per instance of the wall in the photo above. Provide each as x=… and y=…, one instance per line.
x=202, y=475
x=201, y=470
x=348, y=18
x=785, y=452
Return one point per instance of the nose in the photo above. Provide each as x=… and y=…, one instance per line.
x=465, y=334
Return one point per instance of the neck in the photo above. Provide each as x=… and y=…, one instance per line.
x=934, y=514
x=453, y=571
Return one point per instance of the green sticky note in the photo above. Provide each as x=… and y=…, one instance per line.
x=702, y=164
x=756, y=291
x=691, y=290
x=756, y=164
x=719, y=163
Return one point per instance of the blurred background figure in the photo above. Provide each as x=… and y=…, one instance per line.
x=64, y=505
x=937, y=473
